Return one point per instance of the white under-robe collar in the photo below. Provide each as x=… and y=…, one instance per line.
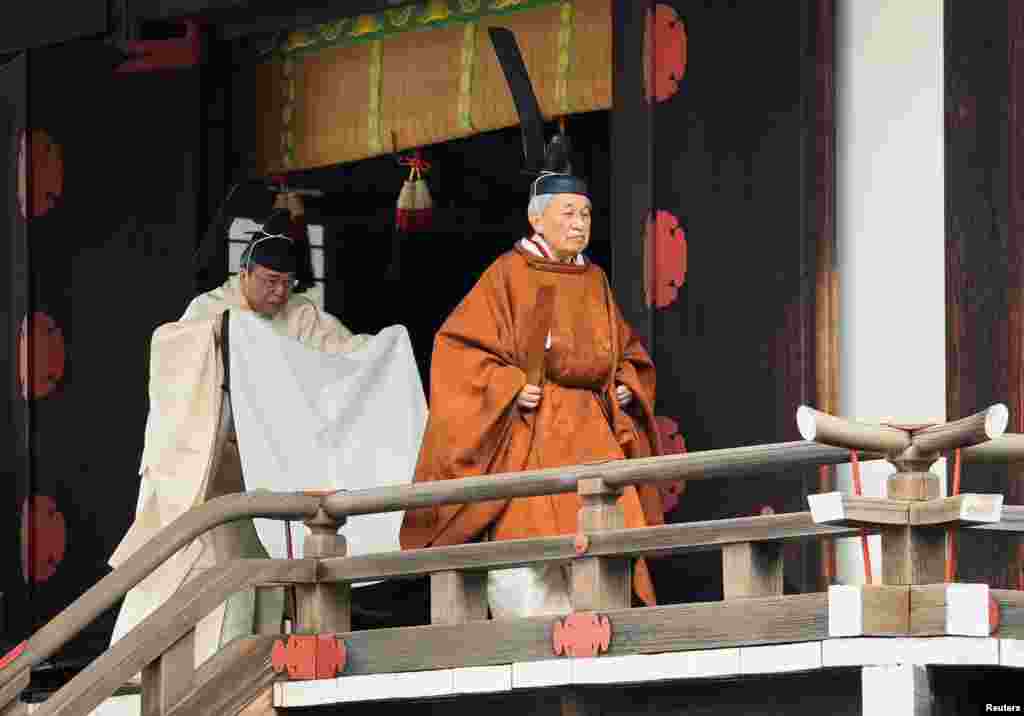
x=528, y=245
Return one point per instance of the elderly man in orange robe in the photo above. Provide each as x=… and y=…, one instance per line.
x=594, y=402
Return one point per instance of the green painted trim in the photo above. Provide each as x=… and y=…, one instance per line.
x=423, y=15
x=469, y=43
x=376, y=80
x=565, y=56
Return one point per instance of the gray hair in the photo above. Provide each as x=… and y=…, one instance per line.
x=538, y=204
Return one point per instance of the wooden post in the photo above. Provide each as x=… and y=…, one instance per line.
x=168, y=679
x=324, y=608
x=752, y=569
x=458, y=597
x=913, y=479
x=597, y=582
x=913, y=554
x=600, y=582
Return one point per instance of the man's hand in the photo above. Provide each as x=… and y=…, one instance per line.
x=529, y=397
x=623, y=395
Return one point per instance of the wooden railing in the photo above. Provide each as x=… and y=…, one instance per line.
x=755, y=611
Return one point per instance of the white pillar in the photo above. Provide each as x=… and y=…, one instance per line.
x=890, y=224
x=896, y=690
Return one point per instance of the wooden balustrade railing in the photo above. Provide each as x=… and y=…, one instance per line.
x=752, y=561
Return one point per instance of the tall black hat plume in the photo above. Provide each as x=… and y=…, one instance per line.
x=549, y=163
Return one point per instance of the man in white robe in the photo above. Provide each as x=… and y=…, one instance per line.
x=190, y=417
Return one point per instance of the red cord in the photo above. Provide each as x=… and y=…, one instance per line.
x=951, y=534
x=857, y=490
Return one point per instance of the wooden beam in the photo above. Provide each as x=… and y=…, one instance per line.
x=830, y=430
x=641, y=541
x=109, y=590
x=231, y=678
x=972, y=430
x=458, y=597
x=868, y=610
x=168, y=678
x=11, y=690
x=1009, y=447
x=752, y=570
x=965, y=508
x=913, y=554
x=949, y=609
x=157, y=632
x=749, y=461
x=262, y=705
x=680, y=627
x=838, y=508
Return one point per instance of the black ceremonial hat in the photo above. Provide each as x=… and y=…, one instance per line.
x=549, y=163
x=271, y=247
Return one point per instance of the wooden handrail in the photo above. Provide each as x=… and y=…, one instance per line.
x=729, y=462
x=105, y=593
x=636, y=542
x=1008, y=447
x=166, y=625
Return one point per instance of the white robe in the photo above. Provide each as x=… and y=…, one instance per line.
x=191, y=454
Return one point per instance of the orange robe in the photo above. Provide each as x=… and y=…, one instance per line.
x=475, y=428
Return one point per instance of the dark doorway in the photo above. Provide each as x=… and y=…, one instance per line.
x=376, y=277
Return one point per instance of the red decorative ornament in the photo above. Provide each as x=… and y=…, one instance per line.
x=415, y=211
x=309, y=657
x=672, y=443
x=665, y=50
x=581, y=634
x=47, y=356
x=47, y=165
x=665, y=259
x=44, y=533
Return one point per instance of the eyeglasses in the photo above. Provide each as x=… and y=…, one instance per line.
x=272, y=283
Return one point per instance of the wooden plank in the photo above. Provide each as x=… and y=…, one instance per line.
x=235, y=676
x=165, y=626
x=457, y=597
x=168, y=678
x=1011, y=613
x=868, y=610
x=898, y=690
x=752, y=570
x=965, y=508
x=109, y=590
x=748, y=461
x=838, y=508
x=949, y=609
x=707, y=625
x=1011, y=519
x=913, y=555
x=642, y=541
x=11, y=690
x=262, y=705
